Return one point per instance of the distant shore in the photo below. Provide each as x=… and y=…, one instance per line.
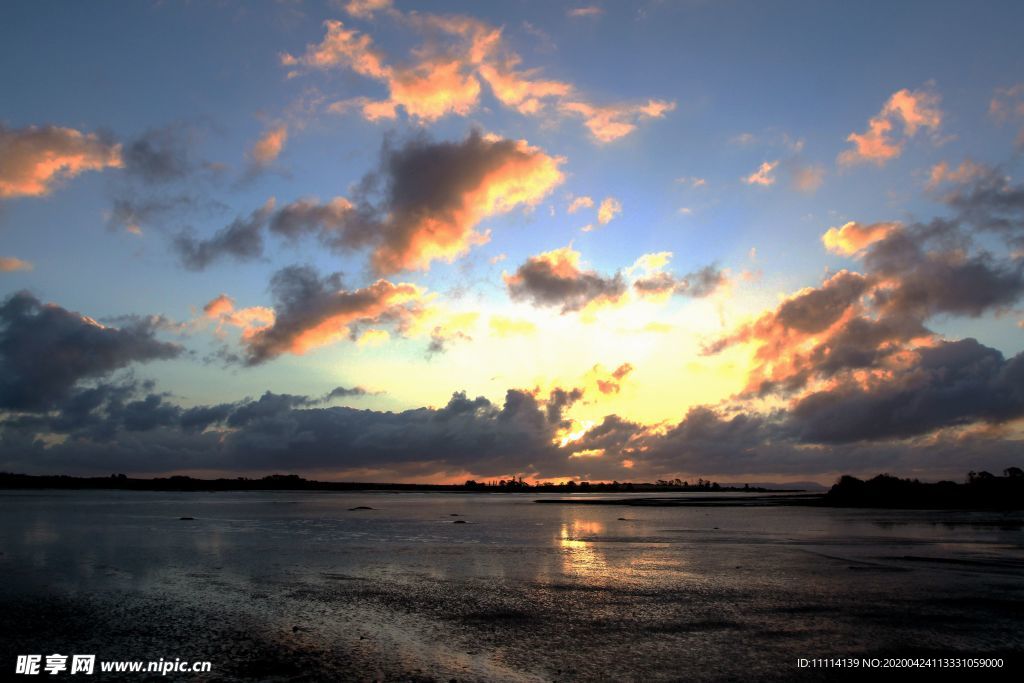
x=293, y=482
x=981, y=491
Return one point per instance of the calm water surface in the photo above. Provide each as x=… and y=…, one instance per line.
x=290, y=585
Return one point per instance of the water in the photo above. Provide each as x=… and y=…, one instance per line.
x=281, y=585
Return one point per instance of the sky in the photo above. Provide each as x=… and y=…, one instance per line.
x=385, y=241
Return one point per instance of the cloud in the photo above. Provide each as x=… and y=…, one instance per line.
x=346, y=392
x=925, y=271
x=372, y=338
x=582, y=202
x=942, y=173
x=502, y=326
x=857, y=330
x=34, y=159
x=287, y=431
x=693, y=181
x=698, y=284
x=880, y=143
x=338, y=224
x=1008, y=105
x=555, y=278
x=588, y=12
x=241, y=240
x=268, y=146
x=132, y=213
x=45, y=350
x=446, y=74
x=988, y=200
x=611, y=122
x=763, y=175
x=854, y=237
x=130, y=428
x=610, y=207
x=365, y=9
x=611, y=383
x=11, y=264
x=159, y=155
x=432, y=214
x=219, y=306
x=249, y=320
x=310, y=311
x=950, y=384
x=807, y=178
x=423, y=204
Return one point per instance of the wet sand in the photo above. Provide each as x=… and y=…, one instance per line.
x=302, y=587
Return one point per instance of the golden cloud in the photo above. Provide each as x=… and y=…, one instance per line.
x=854, y=237
x=32, y=159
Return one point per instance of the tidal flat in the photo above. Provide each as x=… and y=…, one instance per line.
x=494, y=587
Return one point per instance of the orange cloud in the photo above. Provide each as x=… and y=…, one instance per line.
x=365, y=9
x=612, y=122
x=249, y=320
x=786, y=338
x=763, y=175
x=609, y=383
x=879, y=144
x=609, y=209
x=269, y=145
x=327, y=317
x=219, y=306
x=342, y=47
x=854, y=237
x=578, y=203
x=429, y=91
x=10, y=264
x=33, y=159
x=445, y=76
x=942, y=173
x=519, y=90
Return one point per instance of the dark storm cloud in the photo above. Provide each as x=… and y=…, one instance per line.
x=864, y=343
x=45, y=350
x=928, y=271
x=132, y=429
x=148, y=434
x=952, y=384
x=241, y=240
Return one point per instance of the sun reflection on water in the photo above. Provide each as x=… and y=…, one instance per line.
x=580, y=554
